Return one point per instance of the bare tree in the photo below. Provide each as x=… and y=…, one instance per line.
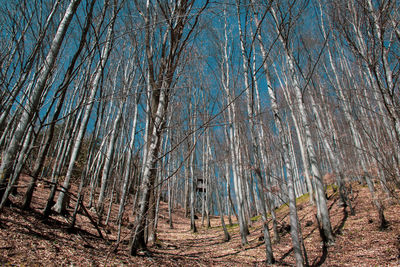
x=175, y=17
x=93, y=85
x=36, y=94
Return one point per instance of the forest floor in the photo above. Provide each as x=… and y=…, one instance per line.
x=27, y=239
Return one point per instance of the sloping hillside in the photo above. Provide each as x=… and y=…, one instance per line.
x=26, y=239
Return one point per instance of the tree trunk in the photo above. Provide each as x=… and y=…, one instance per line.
x=149, y=175
x=108, y=161
x=61, y=204
x=322, y=208
x=36, y=95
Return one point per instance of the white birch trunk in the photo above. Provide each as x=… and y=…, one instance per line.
x=323, y=213
x=148, y=174
x=108, y=160
x=10, y=153
x=233, y=137
x=255, y=140
x=94, y=83
x=192, y=121
x=127, y=173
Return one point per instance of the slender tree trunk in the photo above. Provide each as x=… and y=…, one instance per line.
x=193, y=182
x=20, y=161
x=128, y=172
x=108, y=160
x=36, y=95
x=170, y=204
x=322, y=208
x=8, y=104
x=63, y=88
x=357, y=140
x=186, y=197
x=208, y=178
x=227, y=237
x=233, y=138
x=63, y=151
x=149, y=175
x=333, y=157
x=255, y=138
x=60, y=206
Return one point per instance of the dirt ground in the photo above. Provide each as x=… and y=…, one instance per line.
x=27, y=239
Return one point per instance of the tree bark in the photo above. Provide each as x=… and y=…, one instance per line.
x=34, y=100
x=60, y=206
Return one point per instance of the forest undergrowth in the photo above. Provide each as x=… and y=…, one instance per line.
x=27, y=239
